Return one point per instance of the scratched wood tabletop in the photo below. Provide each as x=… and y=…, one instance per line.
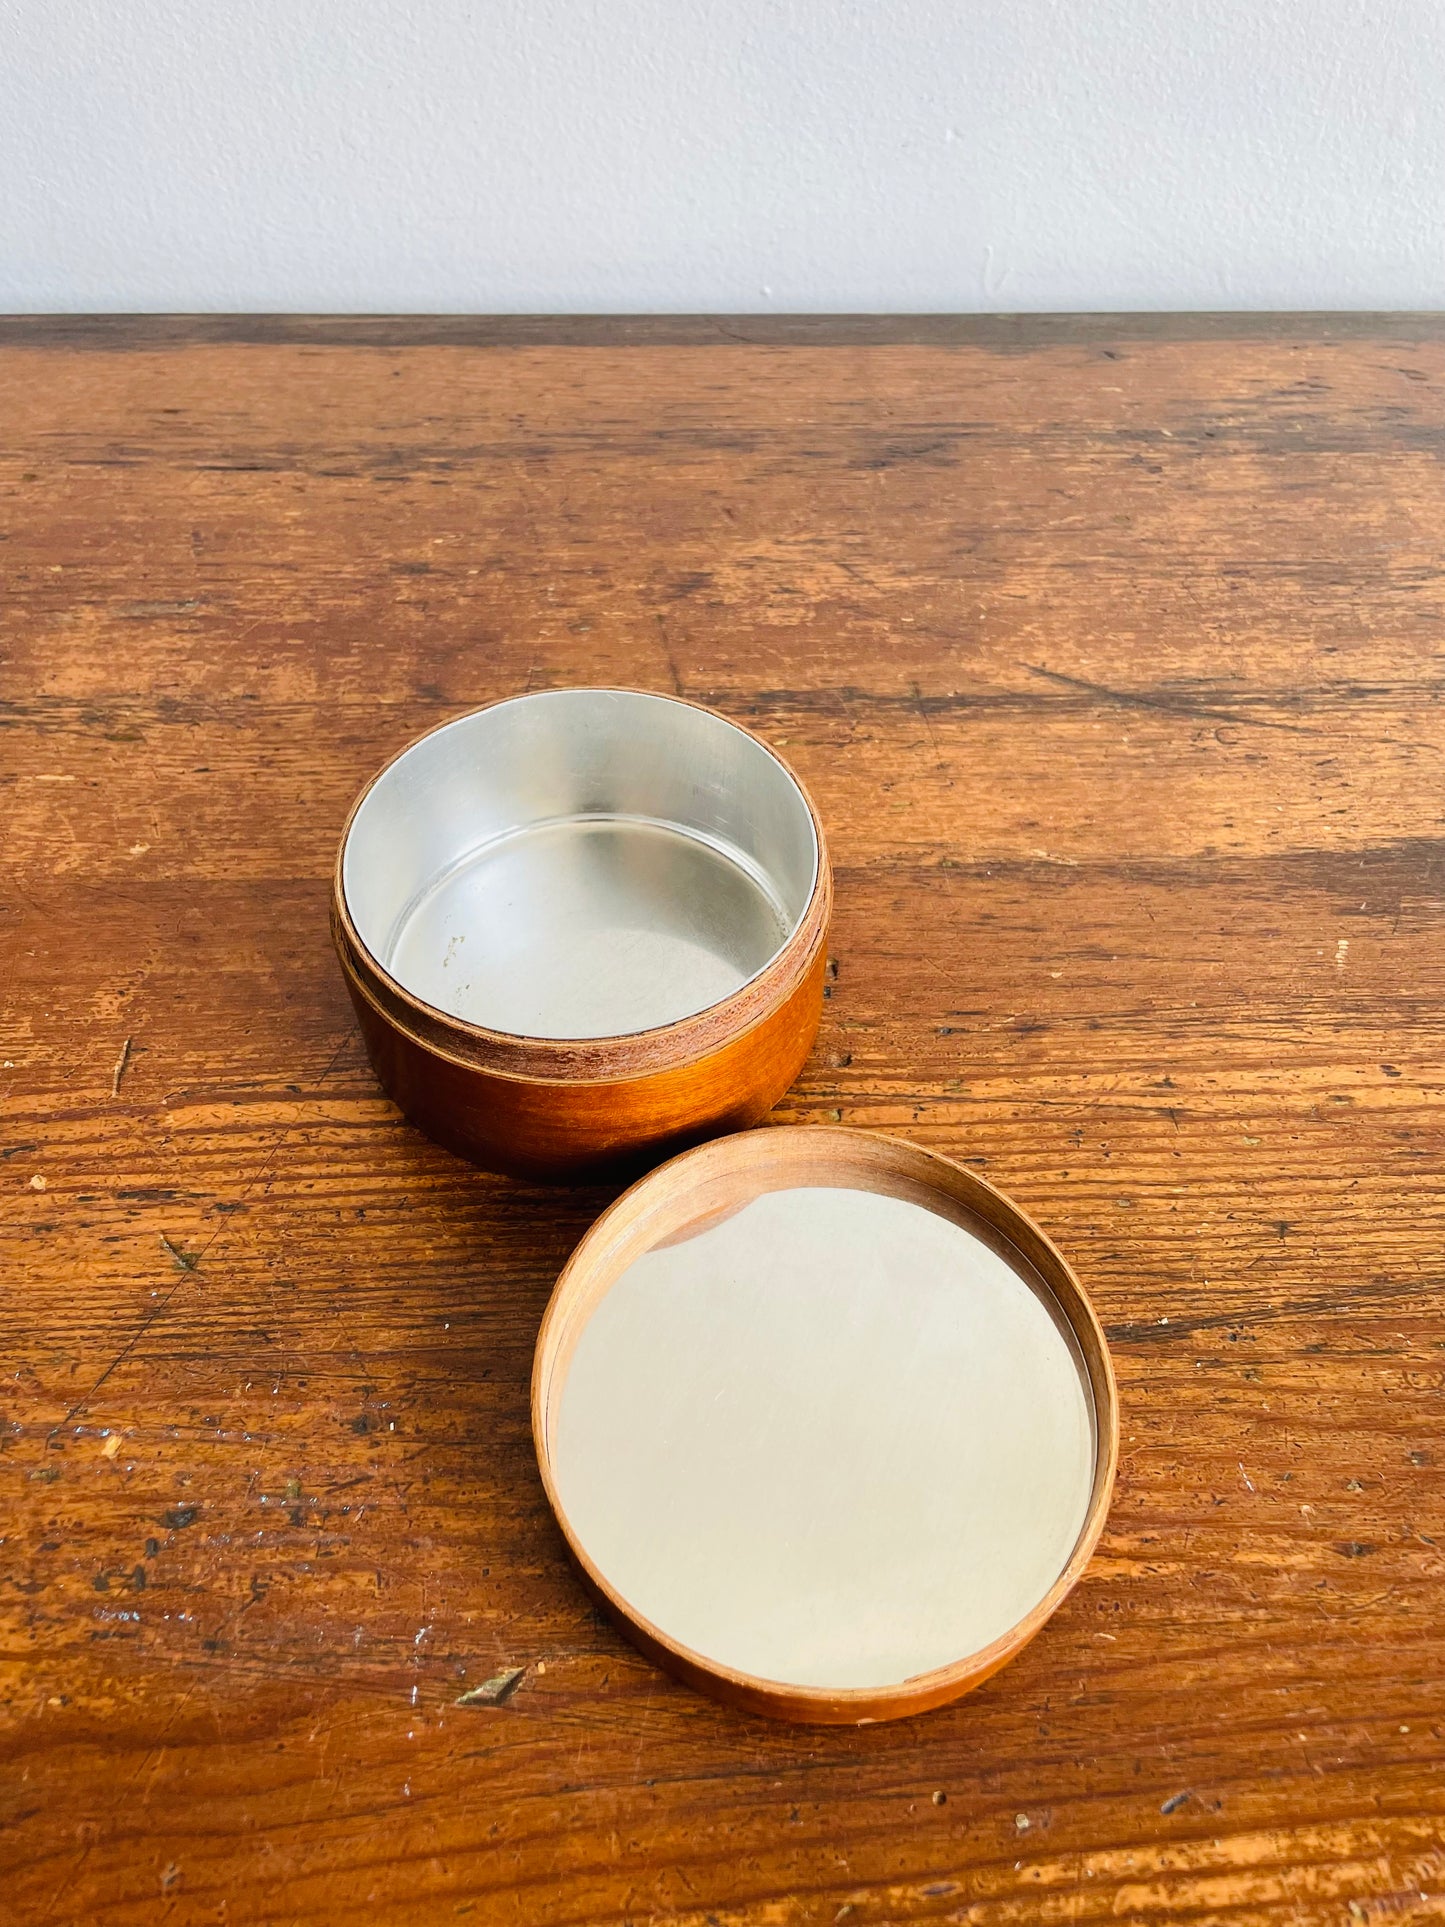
x=1112, y=653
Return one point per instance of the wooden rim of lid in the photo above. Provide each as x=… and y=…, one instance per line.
x=708, y=1183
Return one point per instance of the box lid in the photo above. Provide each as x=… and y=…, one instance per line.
x=828, y=1423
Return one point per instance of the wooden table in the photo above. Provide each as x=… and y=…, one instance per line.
x=1112, y=651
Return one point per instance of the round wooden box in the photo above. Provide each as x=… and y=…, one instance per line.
x=584, y=928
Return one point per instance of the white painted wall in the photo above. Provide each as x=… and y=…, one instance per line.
x=718, y=155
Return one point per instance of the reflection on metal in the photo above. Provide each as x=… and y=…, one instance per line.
x=834, y=1439
x=580, y=863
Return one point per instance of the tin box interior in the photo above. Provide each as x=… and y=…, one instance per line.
x=579, y=864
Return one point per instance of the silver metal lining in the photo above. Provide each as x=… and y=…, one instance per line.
x=580, y=863
x=832, y=1439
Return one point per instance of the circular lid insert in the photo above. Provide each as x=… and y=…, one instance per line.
x=827, y=1422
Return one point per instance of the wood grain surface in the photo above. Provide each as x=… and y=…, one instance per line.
x=1111, y=652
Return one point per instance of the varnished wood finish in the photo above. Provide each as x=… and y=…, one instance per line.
x=554, y=1129
x=1110, y=652
x=715, y=1180
x=576, y=1108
